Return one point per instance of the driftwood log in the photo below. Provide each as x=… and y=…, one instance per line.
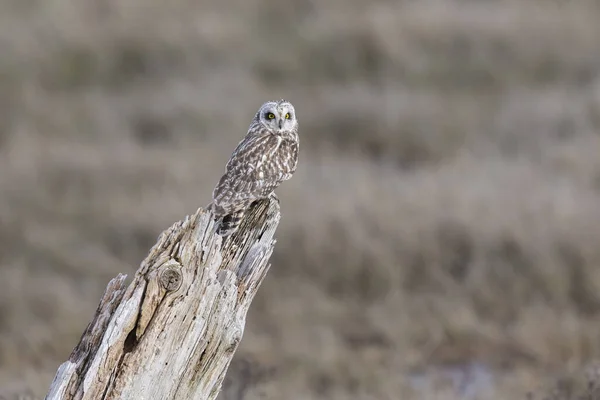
x=172, y=332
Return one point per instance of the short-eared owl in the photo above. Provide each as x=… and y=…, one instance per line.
x=267, y=156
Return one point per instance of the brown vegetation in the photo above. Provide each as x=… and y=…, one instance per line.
x=443, y=220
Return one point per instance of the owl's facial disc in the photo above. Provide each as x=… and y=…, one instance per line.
x=278, y=117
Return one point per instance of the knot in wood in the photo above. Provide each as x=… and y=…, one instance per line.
x=170, y=278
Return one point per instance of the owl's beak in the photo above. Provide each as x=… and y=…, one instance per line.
x=280, y=123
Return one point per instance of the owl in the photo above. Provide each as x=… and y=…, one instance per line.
x=267, y=156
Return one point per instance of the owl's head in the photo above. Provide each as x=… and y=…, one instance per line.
x=278, y=116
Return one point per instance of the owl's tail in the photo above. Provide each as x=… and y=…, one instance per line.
x=230, y=223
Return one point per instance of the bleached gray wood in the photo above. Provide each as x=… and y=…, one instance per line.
x=171, y=334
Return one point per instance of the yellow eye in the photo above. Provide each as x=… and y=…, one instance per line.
x=287, y=116
x=271, y=116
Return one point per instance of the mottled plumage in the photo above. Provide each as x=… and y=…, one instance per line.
x=267, y=156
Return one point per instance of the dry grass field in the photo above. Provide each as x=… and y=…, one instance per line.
x=440, y=239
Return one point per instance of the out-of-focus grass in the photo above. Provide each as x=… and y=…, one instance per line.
x=444, y=212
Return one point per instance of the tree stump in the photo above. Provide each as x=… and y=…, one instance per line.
x=171, y=334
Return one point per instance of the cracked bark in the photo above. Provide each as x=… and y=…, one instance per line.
x=172, y=332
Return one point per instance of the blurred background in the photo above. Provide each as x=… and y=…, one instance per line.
x=440, y=239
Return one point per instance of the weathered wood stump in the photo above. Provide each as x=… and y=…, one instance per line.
x=171, y=334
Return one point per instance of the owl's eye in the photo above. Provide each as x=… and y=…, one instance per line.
x=287, y=116
x=271, y=116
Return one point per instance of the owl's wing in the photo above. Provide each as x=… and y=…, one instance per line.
x=252, y=152
x=249, y=173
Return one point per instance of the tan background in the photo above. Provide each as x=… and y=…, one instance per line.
x=443, y=223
